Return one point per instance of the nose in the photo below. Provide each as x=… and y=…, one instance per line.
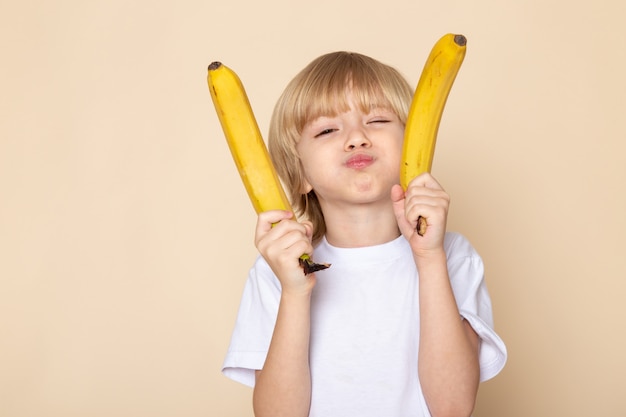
x=357, y=138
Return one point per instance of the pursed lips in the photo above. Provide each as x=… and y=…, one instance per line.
x=359, y=161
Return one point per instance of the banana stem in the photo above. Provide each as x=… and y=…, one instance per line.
x=309, y=266
x=307, y=263
x=421, y=226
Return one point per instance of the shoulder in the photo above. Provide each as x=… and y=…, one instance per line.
x=465, y=265
x=261, y=275
x=458, y=246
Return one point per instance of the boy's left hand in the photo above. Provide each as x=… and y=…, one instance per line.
x=426, y=198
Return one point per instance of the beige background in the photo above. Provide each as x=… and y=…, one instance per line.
x=125, y=235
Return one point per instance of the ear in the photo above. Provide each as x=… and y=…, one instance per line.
x=306, y=186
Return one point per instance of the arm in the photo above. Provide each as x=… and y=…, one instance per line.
x=448, y=365
x=283, y=386
x=448, y=351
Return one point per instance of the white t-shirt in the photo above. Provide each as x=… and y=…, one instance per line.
x=364, y=327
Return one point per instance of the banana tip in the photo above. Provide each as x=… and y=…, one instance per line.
x=214, y=65
x=460, y=40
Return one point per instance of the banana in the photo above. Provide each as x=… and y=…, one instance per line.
x=429, y=99
x=245, y=141
x=247, y=146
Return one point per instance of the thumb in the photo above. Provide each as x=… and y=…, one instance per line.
x=397, y=198
x=397, y=193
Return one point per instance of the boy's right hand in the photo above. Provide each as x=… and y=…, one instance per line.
x=281, y=241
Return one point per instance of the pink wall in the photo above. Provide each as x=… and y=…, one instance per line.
x=125, y=235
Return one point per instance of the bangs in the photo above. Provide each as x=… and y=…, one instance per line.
x=324, y=90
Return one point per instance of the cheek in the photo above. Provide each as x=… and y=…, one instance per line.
x=395, y=153
x=318, y=172
x=313, y=157
x=399, y=143
x=306, y=179
x=310, y=164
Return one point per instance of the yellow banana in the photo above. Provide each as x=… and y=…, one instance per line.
x=429, y=99
x=245, y=141
x=247, y=146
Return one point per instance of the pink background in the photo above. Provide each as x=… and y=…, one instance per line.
x=126, y=236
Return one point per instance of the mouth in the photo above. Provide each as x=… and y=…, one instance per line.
x=359, y=161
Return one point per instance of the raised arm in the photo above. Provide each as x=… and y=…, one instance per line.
x=283, y=386
x=448, y=366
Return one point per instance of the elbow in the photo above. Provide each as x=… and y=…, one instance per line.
x=454, y=411
x=270, y=405
x=463, y=408
x=458, y=402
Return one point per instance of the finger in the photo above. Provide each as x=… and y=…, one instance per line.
x=267, y=219
x=424, y=197
x=425, y=189
x=421, y=199
x=289, y=245
x=291, y=235
x=431, y=214
x=425, y=180
x=284, y=233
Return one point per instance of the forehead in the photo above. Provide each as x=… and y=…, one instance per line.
x=334, y=83
x=341, y=94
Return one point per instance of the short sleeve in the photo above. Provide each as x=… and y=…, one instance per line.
x=466, y=271
x=254, y=326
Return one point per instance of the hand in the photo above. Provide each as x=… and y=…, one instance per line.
x=426, y=198
x=281, y=241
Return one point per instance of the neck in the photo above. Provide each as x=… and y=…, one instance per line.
x=359, y=226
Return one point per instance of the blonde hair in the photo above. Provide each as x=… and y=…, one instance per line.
x=320, y=90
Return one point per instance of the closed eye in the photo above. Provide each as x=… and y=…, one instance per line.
x=325, y=132
x=380, y=121
x=381, y=115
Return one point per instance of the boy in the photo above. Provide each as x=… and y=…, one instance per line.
x=400, y=324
